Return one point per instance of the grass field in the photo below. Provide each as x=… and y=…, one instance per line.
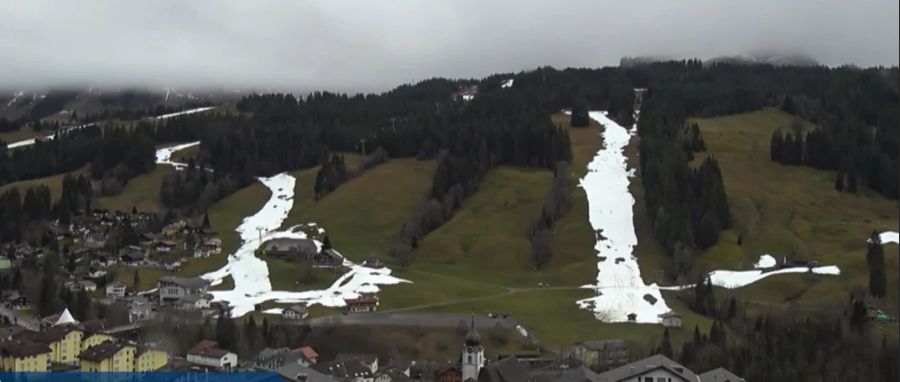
x=795, y=212
x=53, y=182
x=142, y=192
x=26, y=132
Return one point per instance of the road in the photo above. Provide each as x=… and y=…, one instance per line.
x=443, y=320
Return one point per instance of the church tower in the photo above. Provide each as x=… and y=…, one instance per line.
x=472, y=359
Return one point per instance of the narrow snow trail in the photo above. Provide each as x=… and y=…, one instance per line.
x=29, y=142
x=762, y=269
x=251, y=274
x=620, y=289
x=164, y=154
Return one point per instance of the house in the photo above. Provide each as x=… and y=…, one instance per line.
x=24, y=356
x=352, y=371
x=169, y=263
x=373, y=262
x=15, y=301
x=64, y=343
x=133, y=255
x=93, y=240
x=328, y=258
x=273, y=359
x=139, y=308
x=671, y=319
x=63, y=318
x=466, y=94
x=508, y=369
x=308, y=353
x=174, y=228
x=116, y=289
x=632, y=317
x=300, y=373
x=172, y=288
x=96, y=274
x=104, y=259
x=206, y=354
x=209, y=246
x=110, y=356
x=296, y=312
x=369, y=360
x=148, y=359
x=720, y=375
x=451, y=373
x=601, y=355
x=88, y=285
x=164, y=246
x=363, y=304
x=288, y=248
x=194, y=301
x=656, y=368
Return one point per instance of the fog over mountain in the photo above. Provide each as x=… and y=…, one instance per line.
x=370, y=46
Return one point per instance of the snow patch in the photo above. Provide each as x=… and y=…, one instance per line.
x=765, y=261
x=888, y=237
x=508, y=83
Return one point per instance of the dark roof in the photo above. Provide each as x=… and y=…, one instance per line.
x=720, y=375
x=394, y=375
x=602, y=344
x=349, y=369
x=364, y=358
x=185, y=282
x=508, y=369
x=94, y=326
x=576, y=374
x=304, y=246
x=639, y=367
x=207, y=348
x=472, y=337
x=15, y=332
x=291, y=371
x=102, y=351
x=270, y=352
x=333, y=254
x=670, y=314
x=22, y=348
x=55, y=333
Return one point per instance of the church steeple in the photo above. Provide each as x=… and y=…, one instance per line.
x=472, y=338
x=472, y=358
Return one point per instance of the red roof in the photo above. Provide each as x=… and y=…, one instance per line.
x=307, y=352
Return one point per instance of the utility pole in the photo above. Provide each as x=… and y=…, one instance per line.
x=362, y=143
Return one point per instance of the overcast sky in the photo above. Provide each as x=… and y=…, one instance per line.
x=374, y=45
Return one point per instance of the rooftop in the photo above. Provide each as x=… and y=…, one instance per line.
x=102, y=351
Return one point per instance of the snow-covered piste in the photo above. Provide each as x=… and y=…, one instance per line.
x=251, y=274
x=620, y=289
x=762, y=269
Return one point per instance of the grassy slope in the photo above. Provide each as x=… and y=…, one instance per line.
x=26, y=132
x=53, y=182
x=788, y=209
x=141, y=192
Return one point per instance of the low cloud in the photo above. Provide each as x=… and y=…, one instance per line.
x=368, y=46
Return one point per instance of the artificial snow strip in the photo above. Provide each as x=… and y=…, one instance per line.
x=251, y=274
x=620, y=289
x=164, y=154
x=888, y=237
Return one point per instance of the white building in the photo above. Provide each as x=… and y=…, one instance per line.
x=116, y=289
x=207, y=354
x=472, y=357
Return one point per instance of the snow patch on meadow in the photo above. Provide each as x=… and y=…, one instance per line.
x=620, y=289
x=766, y=261
x=889, y=237
x=763, y=269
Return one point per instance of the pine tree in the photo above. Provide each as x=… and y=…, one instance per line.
x=206, y=224
x=875, y=258
x=852, y=182
x=326, y=242
x=839, y=181
x=666, y=347
x=136, y=280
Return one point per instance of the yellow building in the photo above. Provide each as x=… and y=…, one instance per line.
x=108, y=356
x=148, y=359
x=22, y=356
x=93, y=339
x=64, y=342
